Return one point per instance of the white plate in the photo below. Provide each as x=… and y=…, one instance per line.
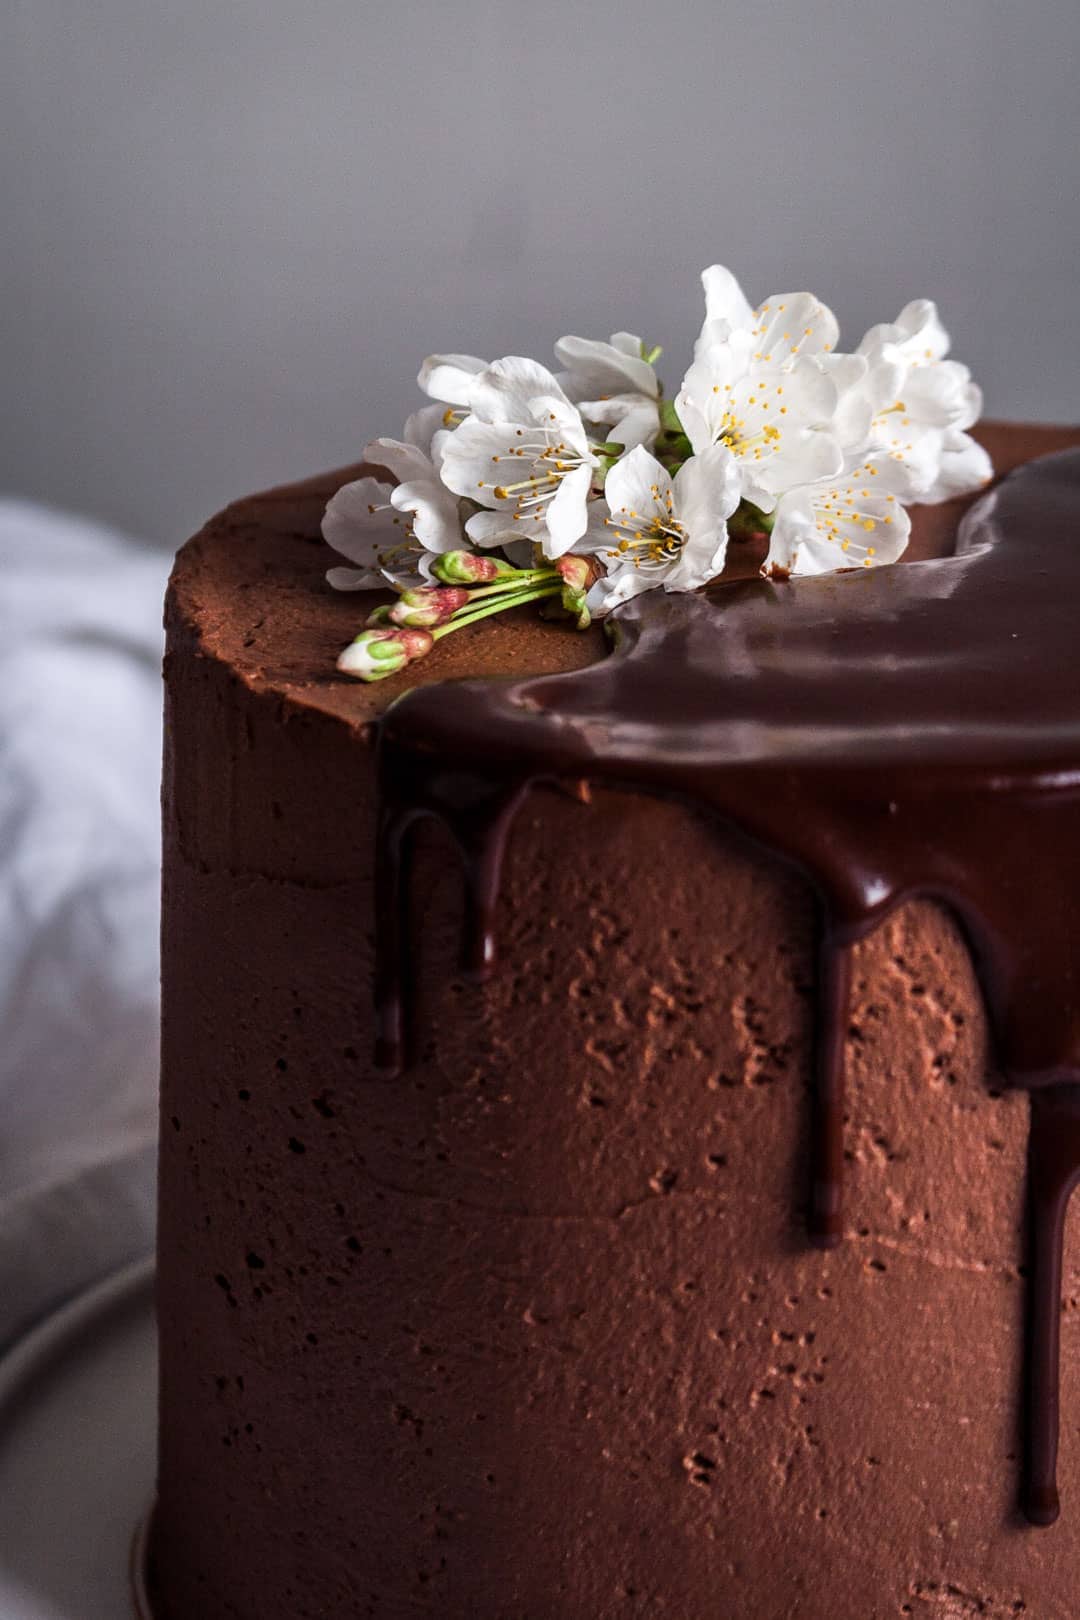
x=77, y=1440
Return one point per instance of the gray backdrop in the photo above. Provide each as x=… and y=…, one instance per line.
x=231, y=228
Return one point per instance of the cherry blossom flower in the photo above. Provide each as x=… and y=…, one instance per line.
x=783, y=327
x=855, y=521
x=777, y=421
x=589, y=486
x=659, y=529
x=524, y=454
x=391, y=532
x=613, y=385
x=450, y=377
x=922, y=404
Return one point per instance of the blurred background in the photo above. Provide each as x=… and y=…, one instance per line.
x=232, y=228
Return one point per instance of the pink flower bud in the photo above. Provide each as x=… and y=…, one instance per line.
x=577, y=572
x=469, y=568
x=378, y=653
x=428, y=605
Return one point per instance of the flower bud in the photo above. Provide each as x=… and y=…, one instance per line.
x=428, y=605
x=576, y=572
x=378, y=653
x=576, y=605
x=379, y=615
x=469, y=568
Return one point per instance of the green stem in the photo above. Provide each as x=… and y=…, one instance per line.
x=534, y=594
x=518, y=580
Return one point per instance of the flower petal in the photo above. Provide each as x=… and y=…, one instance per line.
x=450, y=377
x=435, y=520
x=636, y=484
x=724, y=298
x=594, y=369
x=501, y=529
x=917, y=333
x=790, y=324
x=359, y=521
x=857, y=391
x=354, y=579
x=471, y=458
x=702, y=559
x=611, y=590
x=422, y=426
x=964, y=466
x=565, y=514
x=707, y=488
x=630, y=419
x=942, y=394
x=401, y=460
x=918, y=457
x=507, y=390
x=806, y=457
x=722, y=358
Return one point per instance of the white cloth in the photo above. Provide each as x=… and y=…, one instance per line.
x=80, y=706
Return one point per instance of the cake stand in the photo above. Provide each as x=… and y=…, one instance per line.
x=77, y=1438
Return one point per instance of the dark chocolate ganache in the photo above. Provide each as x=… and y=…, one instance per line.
x=908, y=731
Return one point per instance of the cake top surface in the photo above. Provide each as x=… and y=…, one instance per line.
x=251, y=586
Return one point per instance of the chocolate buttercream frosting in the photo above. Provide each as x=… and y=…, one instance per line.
x=892, y=732
x=553, y=1320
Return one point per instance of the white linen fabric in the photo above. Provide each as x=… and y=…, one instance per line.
x=80, y=728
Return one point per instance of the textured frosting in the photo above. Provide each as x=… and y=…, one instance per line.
x=532, y=1330
x=895, y=732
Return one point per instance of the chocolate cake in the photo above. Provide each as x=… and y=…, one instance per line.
x=691, y=1243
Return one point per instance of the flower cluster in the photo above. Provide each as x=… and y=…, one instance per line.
x=579, y=488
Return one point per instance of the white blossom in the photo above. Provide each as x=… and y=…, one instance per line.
x=755, y=385
x=855, y=521
x=661, y=530
x=920, y=405
x=523, y=453
x=777, y=421
x=613, y=385
x=829, y=447
x=784, y=326
x=388, y=531
x=423, y=427
x=450, y=377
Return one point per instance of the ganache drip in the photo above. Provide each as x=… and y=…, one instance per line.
x=911, y=731
x=1054, y=1169
x=826, y=1217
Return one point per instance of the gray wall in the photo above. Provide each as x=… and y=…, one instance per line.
x=231, y=228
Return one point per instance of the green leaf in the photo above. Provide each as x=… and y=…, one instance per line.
x=669, y=417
